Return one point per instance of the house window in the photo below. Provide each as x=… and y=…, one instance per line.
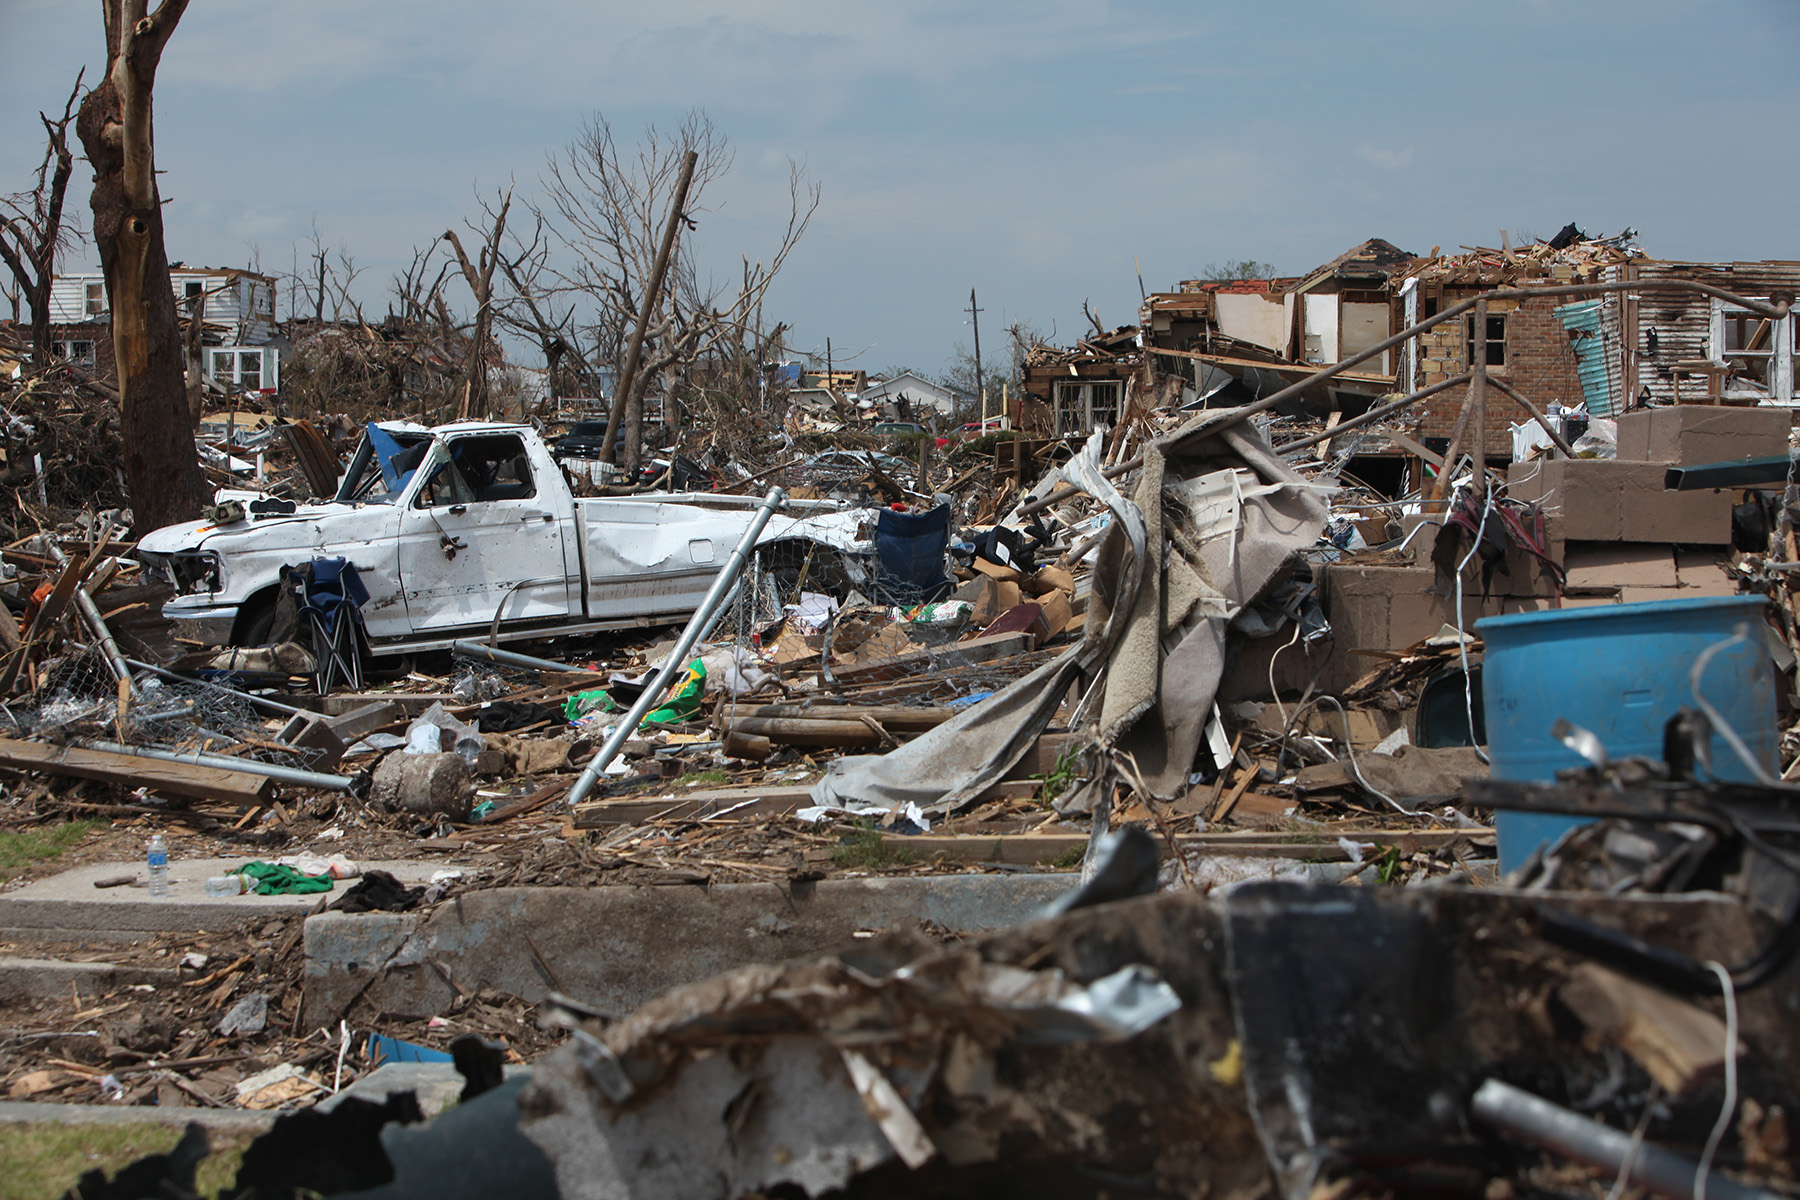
x=1492, y=344
x=76, y=352
x=1757, y=349
x=1080, y=407
x=239, y=370
x=94, y=297
x=192, y=288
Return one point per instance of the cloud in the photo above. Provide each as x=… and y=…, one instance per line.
x=1393, y=160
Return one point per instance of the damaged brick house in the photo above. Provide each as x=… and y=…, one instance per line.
x=1615, y=352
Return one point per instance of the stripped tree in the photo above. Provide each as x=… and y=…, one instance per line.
x=33, y=232
x=614, y=210
x=478, y=273
x=162, y=468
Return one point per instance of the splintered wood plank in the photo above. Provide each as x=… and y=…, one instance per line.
x=913, y=662
x=130, y=771
x=733, y=804
x=1040, y=848
x=1678, y=1043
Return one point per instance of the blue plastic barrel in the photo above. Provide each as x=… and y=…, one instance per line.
x=1620, y=670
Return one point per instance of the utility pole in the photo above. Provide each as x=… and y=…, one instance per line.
x=980, y=391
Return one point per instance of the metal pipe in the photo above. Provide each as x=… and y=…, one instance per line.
x=224, y=762
x=701, y=620
x=1370, y=417
x=84, y=604
x=512, y=658
x=1555, y=1128
x=259, y=701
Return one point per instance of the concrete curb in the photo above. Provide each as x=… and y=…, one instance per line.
x=69, y=908
x=46, y=978
x=22, y=1112
x=616, y=947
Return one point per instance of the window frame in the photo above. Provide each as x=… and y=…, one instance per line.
x=1083, y=410
x=1780, y=366
x=1490, y=341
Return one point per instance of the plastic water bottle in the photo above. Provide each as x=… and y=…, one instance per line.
x=158, y=862
x=221, y=886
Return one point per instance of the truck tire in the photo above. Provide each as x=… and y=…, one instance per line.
x=825, y=573
x=256, y=620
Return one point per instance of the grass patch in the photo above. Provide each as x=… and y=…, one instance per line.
x=866, y=848
x=1070, y=858
x=1057, y=781
x=44, y=1160
x=1390, y=866
x=21, y=849
x=706, y=777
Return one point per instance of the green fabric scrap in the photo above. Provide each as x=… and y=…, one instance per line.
x=273, y=879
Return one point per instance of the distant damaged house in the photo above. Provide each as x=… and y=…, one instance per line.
x=1267, y=334
x=1068, y=392
x=236, y=310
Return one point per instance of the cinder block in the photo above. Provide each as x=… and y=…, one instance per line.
x=1689, y=435
x=1608, y=500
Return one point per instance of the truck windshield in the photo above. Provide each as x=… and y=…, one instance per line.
x=382, y=466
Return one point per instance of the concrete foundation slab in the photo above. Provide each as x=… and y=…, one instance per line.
x=616, y=947
x=68, y=907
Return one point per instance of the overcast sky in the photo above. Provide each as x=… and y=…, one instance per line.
x=1032, y=151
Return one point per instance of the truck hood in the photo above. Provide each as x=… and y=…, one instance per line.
x=308, y=525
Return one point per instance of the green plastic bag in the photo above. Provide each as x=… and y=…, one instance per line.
x=582, y=704
x=686, y=700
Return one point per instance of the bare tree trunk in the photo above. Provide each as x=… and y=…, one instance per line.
x=623, y=393
x=196, y=368
x=162, y=468
x=480, y=277
x=29, y=241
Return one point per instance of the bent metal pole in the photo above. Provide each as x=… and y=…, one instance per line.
x=652, y=695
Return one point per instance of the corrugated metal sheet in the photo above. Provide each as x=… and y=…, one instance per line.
x=1582, y=321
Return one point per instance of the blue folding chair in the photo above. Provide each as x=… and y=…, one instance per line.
x=910, y=551
x=332, y=595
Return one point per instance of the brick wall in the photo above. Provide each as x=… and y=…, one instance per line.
x=1539, y=364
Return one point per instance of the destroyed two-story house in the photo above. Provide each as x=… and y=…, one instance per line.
x=1228, y=341
x=236, y=309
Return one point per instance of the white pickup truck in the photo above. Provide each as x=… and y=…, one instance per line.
x=468, y=529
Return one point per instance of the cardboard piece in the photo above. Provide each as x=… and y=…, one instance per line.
x=1618, y=564
x=995, y=598
x=1523, y=573
x=996, y=571
x=1052, y=577
x=1610, y=500
x=1387, y=609
x=1705, y=573
x=1057, y=610
x=1688, y=435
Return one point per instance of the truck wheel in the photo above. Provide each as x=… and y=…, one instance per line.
x=825, y=573
x=256, y=620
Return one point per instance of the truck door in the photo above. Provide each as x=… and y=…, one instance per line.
x=480, y=532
